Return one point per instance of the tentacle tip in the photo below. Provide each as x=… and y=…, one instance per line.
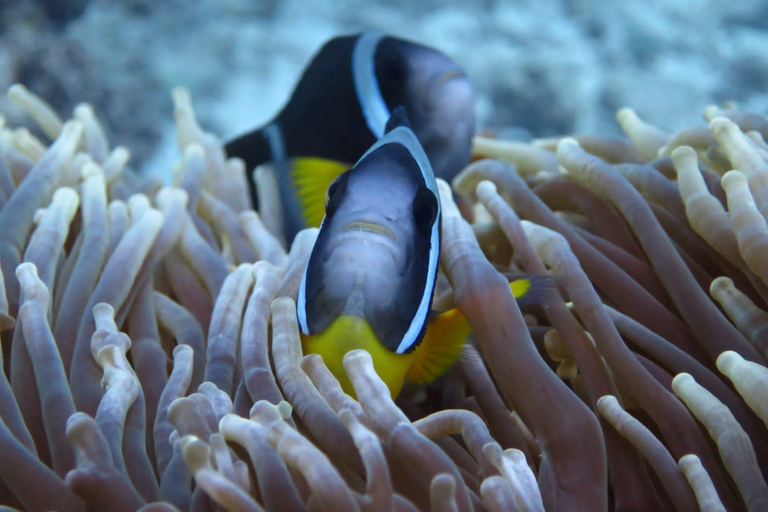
x=207, y=386
x=83, y=110
x=265, y=413
x=181, y=350
x=357, y=356
x=681, y=152
x=17, y=89
x=103, y=310
x=493, y=452
x=282, y=304
x=726, y=361
x=486, y=187
x=625, y=114
x=75, y=420
x=681, y=380
x=122, y=153
x=567, y=144
x=26, y=269
x=720, y=123
x=167, y=195
x=285, y=409
x=606, y=400
x=711, y=111
x=180, y=96
x=733, y=178
x=442, y=487
x=719, y=284
x=90, y=169
x=246, y=216
x=65, y=195
x=260, y=267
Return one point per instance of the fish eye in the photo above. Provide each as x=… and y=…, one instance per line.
x=335, y=192
x=424, y=210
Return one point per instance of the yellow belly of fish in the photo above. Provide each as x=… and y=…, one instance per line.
x=438, y=350
x=348, y=333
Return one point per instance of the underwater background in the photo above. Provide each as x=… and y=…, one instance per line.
x=540, y=68
x=151, y=348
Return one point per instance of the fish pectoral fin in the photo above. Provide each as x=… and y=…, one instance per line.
x=311, y=178
x=440, y=348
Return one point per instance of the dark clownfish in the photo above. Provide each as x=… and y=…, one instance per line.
x=340, y=108
x=371, y=274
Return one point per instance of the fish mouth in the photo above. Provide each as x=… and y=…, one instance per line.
x=371, y=228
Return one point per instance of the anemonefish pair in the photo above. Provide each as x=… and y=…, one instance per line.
x=340, y=108
x=371, y=274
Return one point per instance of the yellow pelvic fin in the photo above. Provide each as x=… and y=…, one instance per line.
x=311, y=178
x=348, y=333
x=440, y=348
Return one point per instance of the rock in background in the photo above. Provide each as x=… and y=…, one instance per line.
x=541, y=67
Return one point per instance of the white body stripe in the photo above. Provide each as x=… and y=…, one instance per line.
x=369, y=96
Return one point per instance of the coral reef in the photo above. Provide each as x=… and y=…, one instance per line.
x=152, y=359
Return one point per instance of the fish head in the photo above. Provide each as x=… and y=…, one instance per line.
x=376, y=253
x=438, y=96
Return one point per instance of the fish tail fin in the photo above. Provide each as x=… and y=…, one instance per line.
x=520, y=287
x=440, y=348
x=533, y=289
x=311, y=178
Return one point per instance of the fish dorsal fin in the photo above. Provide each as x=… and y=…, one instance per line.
x=311, y=178
x=399, y=117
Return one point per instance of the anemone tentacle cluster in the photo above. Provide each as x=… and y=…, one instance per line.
x=152, y=358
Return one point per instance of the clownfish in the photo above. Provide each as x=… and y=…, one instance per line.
x=340, y=108
x=371, y=274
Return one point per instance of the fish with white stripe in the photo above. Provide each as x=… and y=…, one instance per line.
x=340, y=107
x=371, y=275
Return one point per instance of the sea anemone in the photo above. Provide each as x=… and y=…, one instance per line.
x=152, y=358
